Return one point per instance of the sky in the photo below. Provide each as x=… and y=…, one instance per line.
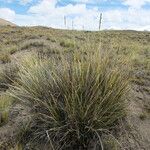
x=79, y=14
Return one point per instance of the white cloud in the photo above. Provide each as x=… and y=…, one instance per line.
x=127, y=19
x=47, y=13
x=6, y=13
x=43, y=7
x=132, y=18
x=48, y=7
x=135, y=3
x=50, y=14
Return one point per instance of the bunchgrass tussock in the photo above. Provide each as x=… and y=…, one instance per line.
x=5, y=104
x=5, y=57
x=67, y=43
x=75, y=99
x=8, y=74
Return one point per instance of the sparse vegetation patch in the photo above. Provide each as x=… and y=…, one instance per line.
x=76, y=83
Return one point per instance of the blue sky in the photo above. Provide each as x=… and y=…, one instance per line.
x=117, y=14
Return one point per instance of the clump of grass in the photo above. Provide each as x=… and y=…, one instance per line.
x=33, y=43
x=8, y=74
x=13, y=49
x=111, y=144
x=17, y=147
x=143, y=116
x=67, y=43
x=147, y=108
x=5, y=103
x=53, y=40
x=75, y=100
x=5, y=57
x=49, y=50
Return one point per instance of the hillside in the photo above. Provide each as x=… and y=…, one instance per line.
x=6, y=23
x=23, y=48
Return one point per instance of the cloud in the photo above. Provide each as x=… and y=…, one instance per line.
x=48, y=13
x=43, y=7
x=54, y=16
x=8, y=14
x=48, y=7
x=135, y=3
x=89, y=18
x=127, y=19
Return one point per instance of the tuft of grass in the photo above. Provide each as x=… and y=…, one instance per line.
x=5, y=103
x=8, y=73
x=13, y=49
x=33, y=43
x=17, y=147
x=67, y=44
x=143, y=116
x=75, y=100
x=5, y=57
x=147, y=108
x=111, y=144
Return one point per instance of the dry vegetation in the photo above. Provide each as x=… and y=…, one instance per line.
x=74, y=90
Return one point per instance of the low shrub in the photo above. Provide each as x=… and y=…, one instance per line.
x=75, y=101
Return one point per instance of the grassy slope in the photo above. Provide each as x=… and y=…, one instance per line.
x=6, y=23
x=15, y=42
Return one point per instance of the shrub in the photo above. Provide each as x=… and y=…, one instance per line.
x=74, y=100
x=5, y=57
